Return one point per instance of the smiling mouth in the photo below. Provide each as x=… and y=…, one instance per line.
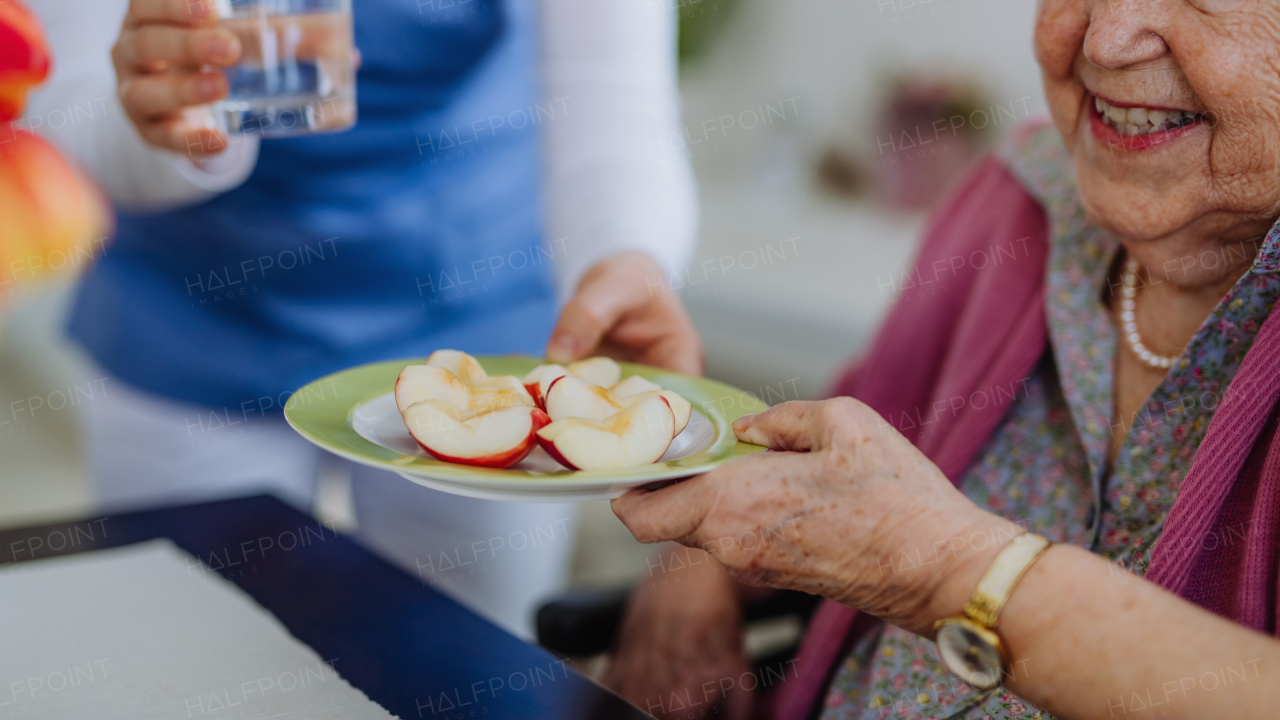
x=1139, y=121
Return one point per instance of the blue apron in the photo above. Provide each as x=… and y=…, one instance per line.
x=418, y=229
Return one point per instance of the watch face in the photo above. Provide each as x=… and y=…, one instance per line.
x=970, y=651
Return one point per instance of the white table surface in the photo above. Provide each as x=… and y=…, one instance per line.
x=145, y=631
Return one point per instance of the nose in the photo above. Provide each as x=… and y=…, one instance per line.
x=1126, y=32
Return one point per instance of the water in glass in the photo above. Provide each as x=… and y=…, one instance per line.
x=296, y=73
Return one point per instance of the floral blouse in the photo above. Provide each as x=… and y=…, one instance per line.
x=1046, y=465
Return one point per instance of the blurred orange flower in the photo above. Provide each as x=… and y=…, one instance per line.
x=50, y=214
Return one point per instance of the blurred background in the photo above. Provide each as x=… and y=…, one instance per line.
x=821, y=132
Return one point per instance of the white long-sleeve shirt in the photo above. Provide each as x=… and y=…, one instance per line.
x=607, y=190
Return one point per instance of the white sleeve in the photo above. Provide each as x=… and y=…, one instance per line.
x=77, y=109
x=613, y=183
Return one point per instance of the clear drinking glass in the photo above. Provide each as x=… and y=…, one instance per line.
x=296, y=73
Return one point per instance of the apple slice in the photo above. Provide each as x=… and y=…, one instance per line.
x=598, y=370
x=497, y=438
x=635, y=436
x=503, y=382
x=539, y=380
x=570, y=397
x=634, y=385
x=682, y=409
x=418, y=383
x=635, y=388
x=468, y=370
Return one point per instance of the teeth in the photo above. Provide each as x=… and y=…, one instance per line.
x=1141, y=121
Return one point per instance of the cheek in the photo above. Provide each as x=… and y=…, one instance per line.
x=1059, y=34
x=1059, y=38
x=1235, y=70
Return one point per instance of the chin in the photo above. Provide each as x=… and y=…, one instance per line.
x=1132, y=213
x=1141, y=193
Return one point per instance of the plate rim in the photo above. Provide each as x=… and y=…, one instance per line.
x=722, y=450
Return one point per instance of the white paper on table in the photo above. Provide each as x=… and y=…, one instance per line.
x=145, y=631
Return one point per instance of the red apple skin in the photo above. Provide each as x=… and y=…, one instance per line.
x=541, y=398
x=673, y=418
x=553, y=383
x=537, y=396
x=503, y=459
x=550, y=447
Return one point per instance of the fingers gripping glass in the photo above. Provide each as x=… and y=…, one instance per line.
x=296, y=73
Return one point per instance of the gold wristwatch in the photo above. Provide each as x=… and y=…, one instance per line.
x=968, y=643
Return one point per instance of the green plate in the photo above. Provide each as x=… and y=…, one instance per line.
x=353, y=414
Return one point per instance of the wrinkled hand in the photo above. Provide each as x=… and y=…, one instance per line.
x=622, y=308
x=158, y=59
x=682, y=635
x=847, y=509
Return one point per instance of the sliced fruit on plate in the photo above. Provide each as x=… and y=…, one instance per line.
x=570, y=397
x=634, y=385
x=539, y=380
x=469, y=371
x=638, y=435
x=600, y=371
x=681, y=408
x=496, y=439
x=467, y=368
x=418, y=383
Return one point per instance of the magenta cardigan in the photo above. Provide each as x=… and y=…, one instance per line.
x=956, y=333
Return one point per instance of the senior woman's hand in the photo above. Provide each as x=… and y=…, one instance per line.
x=847, y=509
x=850, y=510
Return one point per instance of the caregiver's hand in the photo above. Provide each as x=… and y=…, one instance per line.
x=849, y=510
x=622, y=309
x=158, y=59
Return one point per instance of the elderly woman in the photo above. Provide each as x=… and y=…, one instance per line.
x=1085, y=353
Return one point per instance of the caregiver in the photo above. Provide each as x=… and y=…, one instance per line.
x=499, y=170
x=1100, y=368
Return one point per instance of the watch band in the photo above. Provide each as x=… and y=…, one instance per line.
x=969, y=644
x=1002, y=576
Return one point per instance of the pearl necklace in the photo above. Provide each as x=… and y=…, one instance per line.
x=1128, y=296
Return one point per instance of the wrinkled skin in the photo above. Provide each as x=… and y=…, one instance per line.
x=1192, y=211
x=1212, y=190
x=831, y=513
x=1215, y=185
